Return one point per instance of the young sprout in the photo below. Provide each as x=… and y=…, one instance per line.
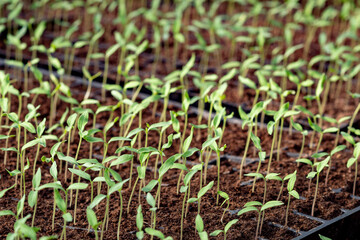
x=304, y=133
x=318, y=129
x=248, y=119
x=33, y=195
x=169, y=163
x=21, y=230
x=226, y=229
x=226, y=200
x=201, y=193
x=144, y=155
x=319, y=167
x=291, y=192
x=273, y=127
x=204, y=146
x=268, y=177
x=295, y=79
x=253, y=206
x=185, y=189
x=217, y=149
x=354, y=95
x=352, y=160
x=112, y=187
x=288, y=113
x=332, y=153
x=334, y=121
x=90, y=80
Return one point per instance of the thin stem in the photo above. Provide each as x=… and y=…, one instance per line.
x=287, y=211
x=246, y=149
x=316, y=191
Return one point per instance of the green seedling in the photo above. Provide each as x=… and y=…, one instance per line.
x=254, y=206
x=185, y=189
x=226, y=229
x=352, y=160
x=291, y=178
x=201, y=193
x=304, y=133
x=332, y=153
x=319, y=166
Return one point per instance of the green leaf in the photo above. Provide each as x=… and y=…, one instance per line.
x=91, y=218
x=30, y=144
x=199, y=223
x=117, y=187
x=279, y=114
x=67, y=217
x=91, y=139
x=37, y=179
x=168, y=164
x=350, y=162
x=356, y=152
x=304, y=160
x=323, y=237
x=2, y=192
x=314, y=126
x=39, y=30
x=150, y=185
x=122, y=159
x=71, y=120
x=348, y=138
x=188, y=140
x=53, y=170
x=83, y=120
x=247, y=209
x=154, y=232
x=150, y=200
x=256, y=141
x=188, y=66
x=271, y=204
x=139, y=218
x=203, y=235
x=208, y=142
x=337, y=149
x=229, y=224
x=28, y=126
x=111, y=50
x=97, y=200
x=32, y=198
x=331, y=130
x=54, y=185
x=295, y=194
x=257, y=175
x=311, y=175
x=205, y=189
x=192, y=200
x=80, y=173
x=216, y=232
x=248, y=82
x=66, y=158
x=6, y=213
x=59, y=201
x=320, y=86
x=188, y=176
x=273, y=176
x=80, y=186
x=115, y=139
